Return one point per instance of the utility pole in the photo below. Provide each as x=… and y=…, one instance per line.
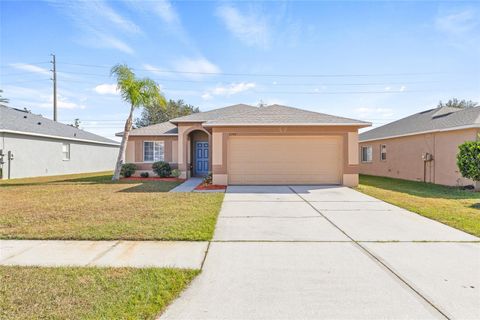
x=54, y=79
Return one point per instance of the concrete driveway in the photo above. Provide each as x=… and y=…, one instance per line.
x=305, y=252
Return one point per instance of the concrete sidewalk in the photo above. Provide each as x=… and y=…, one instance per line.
x=188, y=186
x=178, y=254
x=318, y=252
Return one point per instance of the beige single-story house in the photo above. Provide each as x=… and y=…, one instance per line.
x=421, y=147
x=243, y=144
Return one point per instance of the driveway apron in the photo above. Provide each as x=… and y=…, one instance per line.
x=310, y=252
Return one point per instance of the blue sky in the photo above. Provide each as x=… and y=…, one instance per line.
x=376, y=61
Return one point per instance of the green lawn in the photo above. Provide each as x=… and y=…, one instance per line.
x=90, y=206
x=452, y=206
x=88, y=293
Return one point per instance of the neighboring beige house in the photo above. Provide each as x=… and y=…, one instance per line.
x=421, y=147
x=243, y=144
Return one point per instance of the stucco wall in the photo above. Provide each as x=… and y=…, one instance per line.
x=186, y=132
x=349, y=137
x=404, y=157
x=38, y=156
x=134, y=152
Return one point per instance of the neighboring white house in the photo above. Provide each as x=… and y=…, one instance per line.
x=32, y=146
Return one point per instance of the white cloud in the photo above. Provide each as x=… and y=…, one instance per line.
x=97, y=14
x=193, y=68
x=40, y=98
x=461, y=29
x=165, y=10
x=458, y=22
x=113, y=42
x=161, y=8
x=200, y=65
x=250, y=28
x=228, y=90
x=100, y=25
x=62, y=103
x=153, y=69
x=31, y=68
x=106, y=88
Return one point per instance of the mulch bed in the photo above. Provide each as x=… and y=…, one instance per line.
x=151, y=179
x=210, y=187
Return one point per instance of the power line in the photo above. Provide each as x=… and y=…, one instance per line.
x=267, y=74
x=270, y=84
x=338, y=92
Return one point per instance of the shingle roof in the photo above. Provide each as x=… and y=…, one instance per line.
x=277, y=114
x=28, y=123
x=159, y=129
x=216, y=114
x=430, y=120
x=242, y=114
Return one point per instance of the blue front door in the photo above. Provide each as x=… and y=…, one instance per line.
x=201, y=158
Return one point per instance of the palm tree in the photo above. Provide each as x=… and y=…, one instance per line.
x=138, y=93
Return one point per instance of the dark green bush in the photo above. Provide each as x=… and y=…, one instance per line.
x=144, y=174
x=468, y=160
x=128, y=169
x=162, y=169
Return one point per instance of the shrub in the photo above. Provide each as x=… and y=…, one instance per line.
x=162, y=169
x=207, y=180
x=128, y=169
x=468, y=160
x=176, y=173
x=144, y=174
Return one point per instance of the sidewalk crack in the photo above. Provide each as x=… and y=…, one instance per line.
x=102, y=254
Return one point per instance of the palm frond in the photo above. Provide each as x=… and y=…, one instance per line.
x=137, y=92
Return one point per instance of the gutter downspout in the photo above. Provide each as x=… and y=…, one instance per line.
x=434, y=157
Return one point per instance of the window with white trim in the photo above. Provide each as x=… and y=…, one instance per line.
x=153, y=151
x=383, y=152
x=367, y=154
x=66, y=151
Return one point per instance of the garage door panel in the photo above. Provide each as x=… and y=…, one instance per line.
x=280, y=160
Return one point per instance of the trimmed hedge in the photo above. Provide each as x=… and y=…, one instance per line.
x=162, y=169
x=128, y=169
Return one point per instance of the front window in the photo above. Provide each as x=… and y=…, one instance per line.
x=367, y=154
x=383, y=152
x=66, y=151
x=153, y=151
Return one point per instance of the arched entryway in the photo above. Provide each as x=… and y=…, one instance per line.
x=199, y=153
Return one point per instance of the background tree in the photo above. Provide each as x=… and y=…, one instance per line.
x=455, y=103
x=138, y=93
x=2, y=99
x=468, y=161
x=157, y=113
x=76, y=123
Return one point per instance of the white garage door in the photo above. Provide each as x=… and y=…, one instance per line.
x=285, y=159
